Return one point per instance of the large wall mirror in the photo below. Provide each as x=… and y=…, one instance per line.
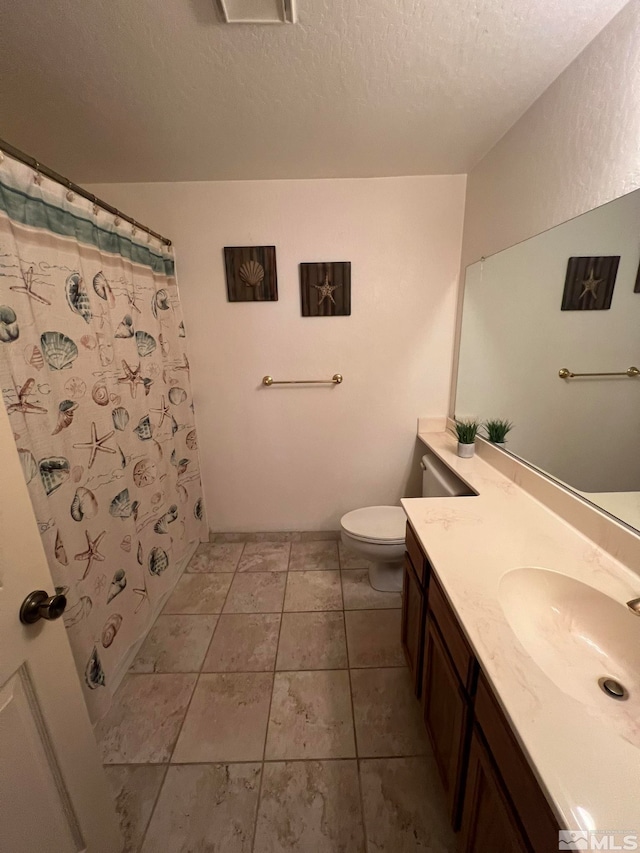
x=517, y=336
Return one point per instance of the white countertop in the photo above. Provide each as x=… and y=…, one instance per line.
x=586, y=756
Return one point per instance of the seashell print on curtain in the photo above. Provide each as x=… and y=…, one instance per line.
x=95, y=379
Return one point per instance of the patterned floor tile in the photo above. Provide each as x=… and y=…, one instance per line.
x=310, y=716
x=310, y=807
x=143, y=723
x=204, y=593
x=211, y=557
x=135, y=788
x=265, y=557
x=312, y=641
x=205, y=807
x=373, y=637
x=387, y=716
x=244, y=642
x=175, y=644
x=227, y=719
x=314, y=556
x=256, y=592
x=313, y=591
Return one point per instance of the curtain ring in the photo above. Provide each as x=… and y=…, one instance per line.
x=37, y=176
x=1, y=156
x=117, y=220
x=96, y=209
x=70, y=193
x=133, y=229
x=148, y=236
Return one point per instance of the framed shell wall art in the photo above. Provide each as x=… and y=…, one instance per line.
x=251, y=273
x=589, y=283
x=325, y=289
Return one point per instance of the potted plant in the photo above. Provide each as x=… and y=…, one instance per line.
x=467, y=431
x=496, y=431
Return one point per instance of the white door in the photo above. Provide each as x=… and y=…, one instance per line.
x=54, y=795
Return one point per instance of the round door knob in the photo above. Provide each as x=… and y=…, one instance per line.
x=39, y=605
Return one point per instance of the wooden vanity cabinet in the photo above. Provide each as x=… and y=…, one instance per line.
x=530, y=807
x=492, y=793
x=413, y=616
x=417, y=557
x=415, y=581
x=448, y=679
x=488, y=820
x=447, y=716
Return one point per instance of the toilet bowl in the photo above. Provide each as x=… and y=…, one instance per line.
x=377, y=533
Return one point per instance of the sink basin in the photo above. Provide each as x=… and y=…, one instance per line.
x=575, y=634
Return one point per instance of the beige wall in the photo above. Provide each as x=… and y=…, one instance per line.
x=577, y=147
x=298, y=458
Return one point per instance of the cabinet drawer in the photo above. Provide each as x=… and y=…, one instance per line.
x=457, y=646
x=530, y=803
x=417, y=556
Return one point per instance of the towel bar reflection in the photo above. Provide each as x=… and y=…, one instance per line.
x=631, y=372
x=336, y=379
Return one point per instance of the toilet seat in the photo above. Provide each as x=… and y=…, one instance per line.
x=383, y=525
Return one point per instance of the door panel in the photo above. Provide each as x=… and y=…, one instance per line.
x=34, y=787
x=53, y=794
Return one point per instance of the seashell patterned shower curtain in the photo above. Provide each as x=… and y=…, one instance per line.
x=95, y=379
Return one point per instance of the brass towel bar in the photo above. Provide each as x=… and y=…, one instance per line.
x=336, y=379
x=631, y=372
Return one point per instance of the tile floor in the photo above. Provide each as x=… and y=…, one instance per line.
x=270, y=709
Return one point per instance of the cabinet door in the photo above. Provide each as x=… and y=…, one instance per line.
x=446, y=716
x=488, y=820
x=538, y=822
x=412, y=623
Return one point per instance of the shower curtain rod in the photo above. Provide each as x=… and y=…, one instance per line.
x=6, y=148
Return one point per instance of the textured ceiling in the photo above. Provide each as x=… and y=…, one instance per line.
x=141, y=90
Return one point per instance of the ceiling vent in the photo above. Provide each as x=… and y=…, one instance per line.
x=258, y=11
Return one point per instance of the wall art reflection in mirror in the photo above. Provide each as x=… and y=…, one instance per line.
x=589, y=283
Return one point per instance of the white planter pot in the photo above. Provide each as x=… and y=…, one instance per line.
x=501, y=444
x=466, y=451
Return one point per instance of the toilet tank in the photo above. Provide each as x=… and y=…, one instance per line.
x=439, y=481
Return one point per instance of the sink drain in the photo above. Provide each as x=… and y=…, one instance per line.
x=613, y=688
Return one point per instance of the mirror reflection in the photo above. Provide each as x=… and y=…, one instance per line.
x=565, y=300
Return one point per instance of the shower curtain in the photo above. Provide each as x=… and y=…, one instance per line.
x=95, y=379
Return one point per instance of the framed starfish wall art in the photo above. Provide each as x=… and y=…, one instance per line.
x=325, y=289
x=589, y=283
x=251, y=273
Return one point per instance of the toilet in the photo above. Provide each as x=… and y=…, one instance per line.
x=377, y=532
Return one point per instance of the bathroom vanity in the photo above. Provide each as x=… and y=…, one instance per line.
x=492, y=794
x=525, y=740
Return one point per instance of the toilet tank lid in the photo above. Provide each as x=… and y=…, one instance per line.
x=376, y=523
